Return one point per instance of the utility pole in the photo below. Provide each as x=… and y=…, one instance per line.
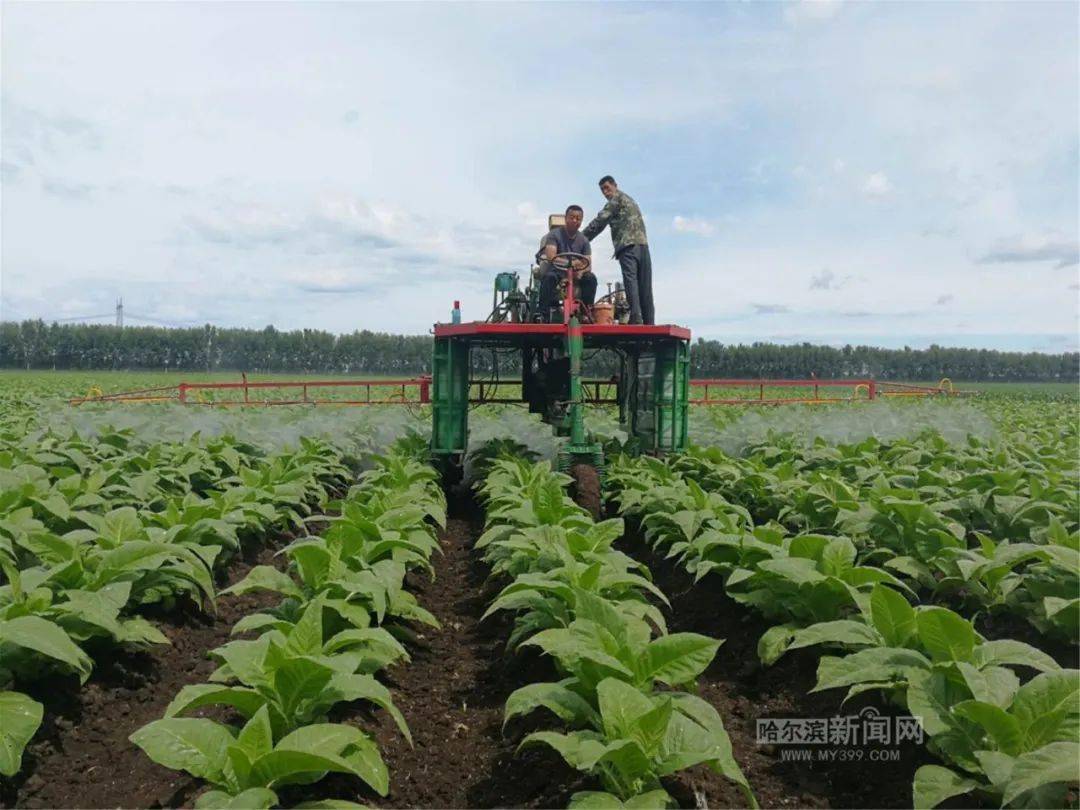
x=120, y=313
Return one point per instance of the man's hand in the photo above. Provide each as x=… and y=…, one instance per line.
x=581, y=265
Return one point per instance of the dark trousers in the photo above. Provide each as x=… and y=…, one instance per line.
x=584, y=288
x=636, y=264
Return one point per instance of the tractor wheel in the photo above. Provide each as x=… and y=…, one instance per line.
x=587, y=488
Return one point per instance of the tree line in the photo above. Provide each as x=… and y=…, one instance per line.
x=37, y=345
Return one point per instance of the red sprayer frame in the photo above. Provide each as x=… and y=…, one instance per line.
x=417, y=390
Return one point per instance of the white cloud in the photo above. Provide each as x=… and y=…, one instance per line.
x=877, y=185
x=531, y=215
x=695, y=225
x=828, y=280
x=802, y=11
x=1053, y=247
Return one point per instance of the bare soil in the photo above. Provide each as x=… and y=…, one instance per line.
x=587, y=488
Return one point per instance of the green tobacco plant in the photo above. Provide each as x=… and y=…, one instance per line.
x=296, y=674
x=318, y=648
x=546, y=596
x=247, y=765
x=809, y=578
x=898, y=645
x=1019, y=749
x=635, y=738
x=520, y=495
x=604, y=642
x=30, y=643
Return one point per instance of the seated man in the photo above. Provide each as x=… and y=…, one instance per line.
x=566, y=239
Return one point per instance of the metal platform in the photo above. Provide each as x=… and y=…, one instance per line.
x=551, y=333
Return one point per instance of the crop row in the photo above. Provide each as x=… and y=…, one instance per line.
x=985, y=525
x=92, y=531
x=341, y=620
x=588, y=606
x=1016, y=743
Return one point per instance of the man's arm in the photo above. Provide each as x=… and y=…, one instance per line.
x=601, y=220
x=551, y=246
x=585, y=266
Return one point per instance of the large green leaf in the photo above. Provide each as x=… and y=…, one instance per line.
x=678, y=658
x=1047, y=708
x=1001, y=727
x=1056, y=762
x=306, y=636
x=48, y=639
x=194, y=696
x=195, y=745
x=251, y=799
x=566, y=704
x=320, y=748
x=774, y=642
x=621, y=705
x=934, y=784
x=945, y=635
x=267, y=578
x=842, y=631
x=1008, y=651
x=580, y=749
x=875, y=664
x=20, y=717
x=246, y=660
x=892, y=615
x=298, y=681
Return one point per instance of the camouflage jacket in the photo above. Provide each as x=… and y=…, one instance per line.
x=624, y=217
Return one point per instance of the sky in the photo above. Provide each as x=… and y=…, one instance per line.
x=891, y=173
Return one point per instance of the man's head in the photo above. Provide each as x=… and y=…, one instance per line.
x=574, y=215
x=608, y=186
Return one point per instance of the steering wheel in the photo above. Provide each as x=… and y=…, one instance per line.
x=565, y=260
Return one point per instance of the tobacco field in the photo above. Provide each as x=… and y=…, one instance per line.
x=871, y=605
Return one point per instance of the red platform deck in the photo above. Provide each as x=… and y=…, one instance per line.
x=482, y=329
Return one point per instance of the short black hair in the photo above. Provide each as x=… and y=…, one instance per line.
x=607, y=178
x=577, y=208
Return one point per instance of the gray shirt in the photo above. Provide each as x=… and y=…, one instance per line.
x=564, y=243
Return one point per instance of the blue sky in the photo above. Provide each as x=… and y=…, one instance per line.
x=887, y=173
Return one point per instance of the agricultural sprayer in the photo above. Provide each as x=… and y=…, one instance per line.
x=525, y=354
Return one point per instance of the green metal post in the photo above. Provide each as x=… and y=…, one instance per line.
x=575, y=348
x=450, y=397
x=671, y=392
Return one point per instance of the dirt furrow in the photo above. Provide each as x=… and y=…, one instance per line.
x=452, y=693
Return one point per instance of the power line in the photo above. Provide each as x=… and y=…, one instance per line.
x=81, y=317
x=174, y=324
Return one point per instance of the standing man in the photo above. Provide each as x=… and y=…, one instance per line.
x=631, y=247
x=566, y=239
